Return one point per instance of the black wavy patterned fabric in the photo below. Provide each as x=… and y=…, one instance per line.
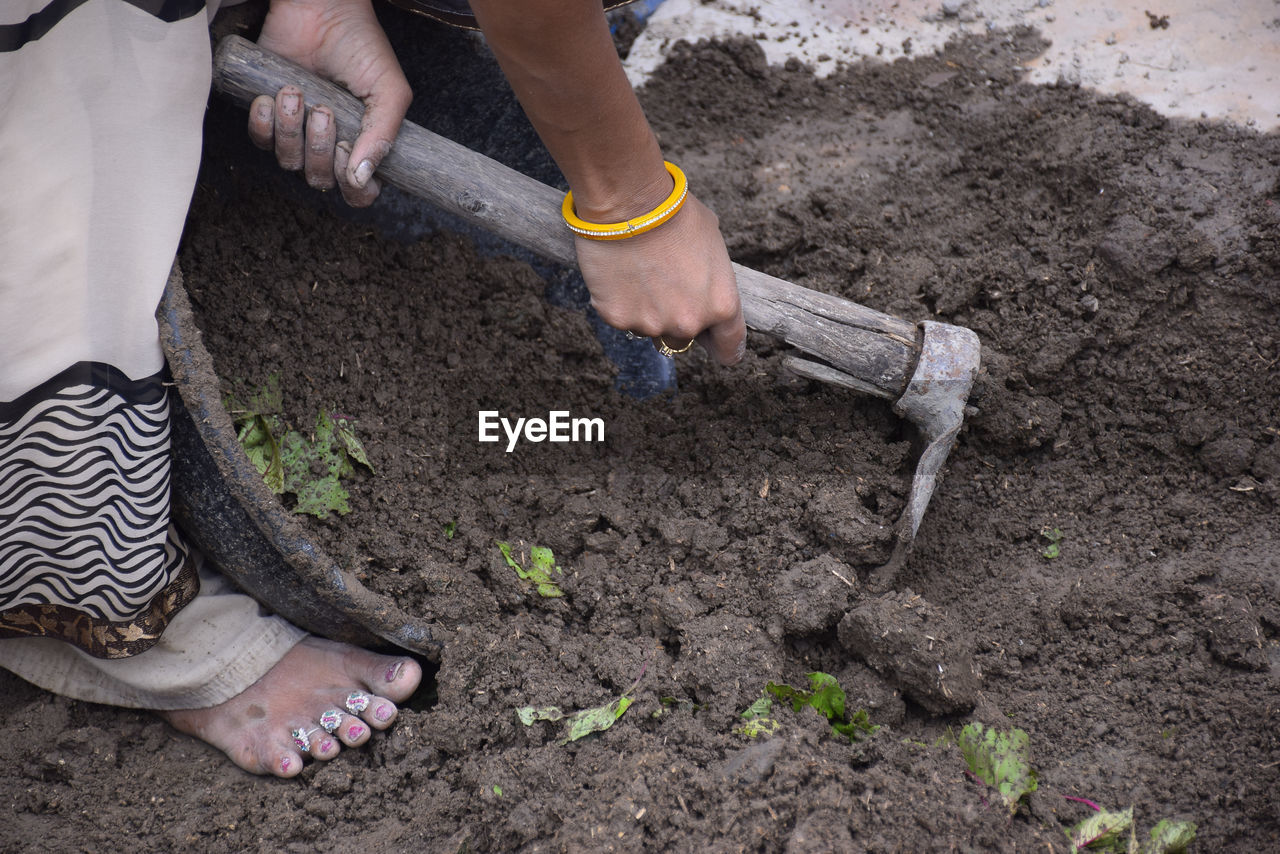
x=38, y=24
x=84, y=495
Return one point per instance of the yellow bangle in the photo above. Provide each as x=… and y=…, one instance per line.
x=632, y=227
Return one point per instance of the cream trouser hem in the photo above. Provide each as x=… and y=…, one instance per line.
x=213, y=649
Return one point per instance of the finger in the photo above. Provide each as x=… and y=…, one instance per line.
x=384, y=110
x=262, y=120
x=727, y=341
x=288, y=129
x=357, y=197
x=321, y=137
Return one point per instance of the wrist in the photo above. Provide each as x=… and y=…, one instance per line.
x=647, y=220
x=622, y=194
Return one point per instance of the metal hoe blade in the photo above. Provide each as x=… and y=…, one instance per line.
x=934, y=401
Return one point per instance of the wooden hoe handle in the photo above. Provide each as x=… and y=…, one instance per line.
x=873, y=352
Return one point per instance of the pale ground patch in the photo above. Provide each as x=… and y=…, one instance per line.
x=1218, y=59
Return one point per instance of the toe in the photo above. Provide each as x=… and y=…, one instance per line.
x=324, y=746
x=353, y=732
x=287, y=764
x=396, y=678
x=381, y=713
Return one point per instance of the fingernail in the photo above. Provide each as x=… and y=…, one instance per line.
x=320, y=122
x=383, y=712
x=326, y=746
x=393, y=672
x=285, y=765
x=363, y=171
x=355, y=732
x=290, y=104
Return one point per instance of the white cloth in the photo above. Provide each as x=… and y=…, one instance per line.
x=101, y=106
x=100, y=124
x=213, y=649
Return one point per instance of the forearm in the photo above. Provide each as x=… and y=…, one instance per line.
x=559, y=57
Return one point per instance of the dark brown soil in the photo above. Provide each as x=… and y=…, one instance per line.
x=1122, y=270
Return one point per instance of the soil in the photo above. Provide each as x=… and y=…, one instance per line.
x=1121, y=270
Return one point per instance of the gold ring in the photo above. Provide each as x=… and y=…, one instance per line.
x=665, y=350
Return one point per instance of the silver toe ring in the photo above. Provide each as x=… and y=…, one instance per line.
x=357, y=702
x=329, y=720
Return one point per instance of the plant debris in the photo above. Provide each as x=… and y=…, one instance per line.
x=757, y=719
x=1054, y=536
x=586, y=721
x=581, y=723
x=828, y=699
x=309, y=468
x=542, y=563
x=1112, y=832
x=1001, y=760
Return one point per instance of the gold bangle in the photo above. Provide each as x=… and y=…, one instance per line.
x=632, y=227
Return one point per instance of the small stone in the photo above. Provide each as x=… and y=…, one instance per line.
x=951, y=8
x=1111, y=39
x=1089, y=304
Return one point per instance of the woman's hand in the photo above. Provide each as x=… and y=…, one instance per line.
x=340, y=40
x=671, y=284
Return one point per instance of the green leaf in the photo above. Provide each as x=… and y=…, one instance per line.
x=1104, y=831
x=497, y=790
x=313, y=470
x=858, y=727
x=309, y=468
x=260, y=446
x=756, y=727
x=827, y=696
x=1054, y=536
x=828, y=699
x=541, y=564
x=600, y=718
x=353, y=446
x=529, y=714
x=761, y=708
x=450, y=528
x=543, y=561
x=1170, y=837
x=1001, y=760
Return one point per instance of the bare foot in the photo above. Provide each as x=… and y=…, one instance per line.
x=256, y=728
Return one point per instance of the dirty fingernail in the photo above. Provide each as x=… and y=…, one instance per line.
x=290, y=103
x=326, y=746
x=319, y=122
x=363, y=171
x=383, y=712
x=355, y=732
x=393, y=672
x=285, y=765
